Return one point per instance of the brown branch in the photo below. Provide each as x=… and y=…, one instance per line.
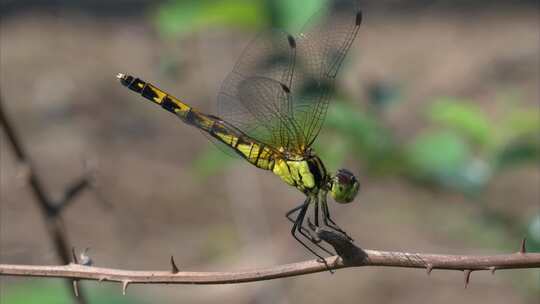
x=465, y=263
x=349, y=256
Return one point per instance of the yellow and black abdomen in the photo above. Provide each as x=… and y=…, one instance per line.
x=254, y=152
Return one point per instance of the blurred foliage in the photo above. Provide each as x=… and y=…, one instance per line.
x=292, y=15
x=443, y=157
x=463, y=117
x=181, y=17
x=53, y=291
x=460, y=147
x=533, y=234
x=371, y=142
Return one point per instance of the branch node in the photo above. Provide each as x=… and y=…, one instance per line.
x=125, y=284
x=347, y=251
x=467, y=273
x=523, y=248
x=174, y=269
x=429, y=268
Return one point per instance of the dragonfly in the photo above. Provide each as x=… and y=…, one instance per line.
x=271, y=107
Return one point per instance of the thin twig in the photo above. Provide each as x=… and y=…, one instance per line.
x=349, y=256
x=49, y=208
x=72, y=191
x=366, y=258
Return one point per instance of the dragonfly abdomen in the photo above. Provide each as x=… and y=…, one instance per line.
x=157, y=96
x=258, y=154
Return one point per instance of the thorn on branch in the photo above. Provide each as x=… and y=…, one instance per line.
x=523, y=248
x=76, y=287
x=429, y=268
x=174, y=269
x=493, y=268
x=467, y=273
x=125, y=284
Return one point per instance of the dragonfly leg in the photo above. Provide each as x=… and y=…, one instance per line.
x=315, y=240
x=330, y=223
x=316, y=213
x=297, y=227
x=302, y=229
x=290, y=212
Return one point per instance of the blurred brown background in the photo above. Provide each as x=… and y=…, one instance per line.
x=172, y=193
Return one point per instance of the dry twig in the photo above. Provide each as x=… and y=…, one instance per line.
x=50, y=209
x=351, y=256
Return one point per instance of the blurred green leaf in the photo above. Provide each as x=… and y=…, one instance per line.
x=333, y=149
x=439, y=154
x=444, y=158
x=522, y=122
x=364, y=129
x=186, y=16
x=292, y=15
x=518, y=136
x=371, y=142
x=36, y=292
x=54, y=291
x=533, y=234
x=462, y=116
x=518, y=152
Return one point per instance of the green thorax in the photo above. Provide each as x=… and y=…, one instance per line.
x=307, y=174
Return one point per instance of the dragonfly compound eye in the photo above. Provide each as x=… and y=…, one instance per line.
x=344, y=186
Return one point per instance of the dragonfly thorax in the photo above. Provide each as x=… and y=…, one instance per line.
x=307, y=175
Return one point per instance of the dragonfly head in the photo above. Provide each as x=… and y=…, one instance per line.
x=344, y=186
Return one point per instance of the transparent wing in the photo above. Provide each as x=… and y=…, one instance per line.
x=255, y=96
x=278, y=91
x=321, y=48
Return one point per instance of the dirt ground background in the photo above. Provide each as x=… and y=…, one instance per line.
x=58, y=86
